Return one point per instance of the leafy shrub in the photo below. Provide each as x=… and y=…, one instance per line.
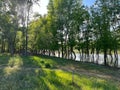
x=42, y=62
x=47, y=65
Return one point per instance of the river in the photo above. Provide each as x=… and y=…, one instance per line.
x=101, y=58
x=100, y=61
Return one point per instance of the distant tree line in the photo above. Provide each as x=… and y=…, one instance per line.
x=69, y=26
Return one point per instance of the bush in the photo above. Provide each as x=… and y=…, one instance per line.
x=42, y=62
x=47, y=65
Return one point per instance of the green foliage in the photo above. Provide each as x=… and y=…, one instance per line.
x=68, y=25
x=42, y=62
x=47, y=65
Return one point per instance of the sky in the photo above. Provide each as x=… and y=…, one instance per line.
x=88, y=2
x=42, y=9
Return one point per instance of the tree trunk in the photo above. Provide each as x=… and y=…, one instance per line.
x=116, y=58
x=110, y=53
x=105, y=57
x=92, y=53
x=62, y=51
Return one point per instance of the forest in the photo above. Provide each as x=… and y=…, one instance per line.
x=67, y=28
x=62, y=49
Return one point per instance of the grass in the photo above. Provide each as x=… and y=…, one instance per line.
x=50, y=73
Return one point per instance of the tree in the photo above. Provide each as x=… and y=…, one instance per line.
x=102, y=24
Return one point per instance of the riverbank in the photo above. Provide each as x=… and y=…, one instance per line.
x=50, y=73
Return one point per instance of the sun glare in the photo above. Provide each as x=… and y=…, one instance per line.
x=41, y=7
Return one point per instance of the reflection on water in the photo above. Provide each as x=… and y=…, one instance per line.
x=96, y=60
x=101, y=58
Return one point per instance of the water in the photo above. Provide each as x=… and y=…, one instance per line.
x=90, y=59
x=101, y=58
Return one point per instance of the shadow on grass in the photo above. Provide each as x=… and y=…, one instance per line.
x=106, y=85
x=103, y=85
x=4, y=59
x=29, y=73
x=81, y=65
x=56, y=81
x=17, y=76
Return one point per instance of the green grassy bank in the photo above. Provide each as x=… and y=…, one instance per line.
x=49, y=73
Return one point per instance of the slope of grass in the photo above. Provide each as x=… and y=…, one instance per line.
x=49, y=73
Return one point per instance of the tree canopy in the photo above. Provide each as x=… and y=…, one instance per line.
x=67, y=28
